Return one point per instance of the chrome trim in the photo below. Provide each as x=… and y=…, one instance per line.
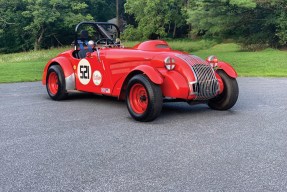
x=193, y=88
x=70, y=82
x=98, y=54
x=206, y=85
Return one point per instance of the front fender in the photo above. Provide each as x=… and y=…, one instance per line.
x=153, y=74
x=227, y=68
x=67, y=67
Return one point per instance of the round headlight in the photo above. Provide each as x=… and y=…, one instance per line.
x=169, y=63
x=212, y=60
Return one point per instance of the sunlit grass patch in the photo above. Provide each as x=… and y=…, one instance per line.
x=268, y=62
x=28, y=66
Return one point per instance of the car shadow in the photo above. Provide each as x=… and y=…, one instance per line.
x=79, y=96
x=85, y=96
x=170, y=111
x=184, y=111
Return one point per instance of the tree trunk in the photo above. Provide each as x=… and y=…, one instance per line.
x=174, y=30
x=36, y=45
x=117, y=13
x=38, y=40
x=168, y=28
x=189, y=31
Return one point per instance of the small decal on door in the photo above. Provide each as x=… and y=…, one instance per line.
x=97, y=78
x=105, y=90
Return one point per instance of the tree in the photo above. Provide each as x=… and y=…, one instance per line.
x=11, y=22
x=34, y=24
x=154, y=16
x=44, y=14
x=276, y=19
x=101, y=10
x=216, y=18
x=247, y=21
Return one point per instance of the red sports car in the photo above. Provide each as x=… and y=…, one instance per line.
x=145, y=76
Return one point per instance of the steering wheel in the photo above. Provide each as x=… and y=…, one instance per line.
x=104, y=41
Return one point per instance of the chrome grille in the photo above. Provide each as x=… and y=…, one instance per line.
x=206, y=85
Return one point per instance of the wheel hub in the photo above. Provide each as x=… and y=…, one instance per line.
x=138, y=98
x=143, y=98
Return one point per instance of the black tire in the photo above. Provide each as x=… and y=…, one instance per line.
x=144, y=98
x=229, y=96
x=60, y=93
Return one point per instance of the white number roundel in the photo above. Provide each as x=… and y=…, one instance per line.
x=84, y=71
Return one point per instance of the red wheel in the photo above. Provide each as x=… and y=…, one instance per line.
x=56, y=85
x=53, y=83
x=144, y=98
x=138, y=98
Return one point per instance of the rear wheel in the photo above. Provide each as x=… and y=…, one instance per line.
x=228, y=97
x=55, y=83
x=144, y=98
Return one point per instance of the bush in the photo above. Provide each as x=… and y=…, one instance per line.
x=253, y=47
x=255, y=42
x=188, y=45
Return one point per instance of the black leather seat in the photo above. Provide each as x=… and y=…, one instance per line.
x=82, y=53
x=83, y=43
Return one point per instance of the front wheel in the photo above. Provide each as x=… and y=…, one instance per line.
x=144, y=98
x=55, y=83
x=228, y=97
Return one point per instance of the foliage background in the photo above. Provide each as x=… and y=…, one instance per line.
x=35, y=24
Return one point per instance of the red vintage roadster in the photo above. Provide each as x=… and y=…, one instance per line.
x=145, y=76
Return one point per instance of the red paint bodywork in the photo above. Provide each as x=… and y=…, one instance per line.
x=118, y=65
x=63, y=61
x=227, y=68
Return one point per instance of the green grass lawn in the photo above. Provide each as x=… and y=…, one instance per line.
x=266, y=63
x=28, y=66
x=25, y=66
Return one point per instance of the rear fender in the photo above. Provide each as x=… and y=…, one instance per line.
x=227, y=68
x=67, y=68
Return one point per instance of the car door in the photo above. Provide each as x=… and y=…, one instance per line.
x=91, y=75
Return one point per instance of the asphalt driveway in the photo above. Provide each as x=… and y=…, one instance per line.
x=90, y=143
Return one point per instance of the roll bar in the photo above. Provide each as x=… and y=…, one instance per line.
x=98, y=25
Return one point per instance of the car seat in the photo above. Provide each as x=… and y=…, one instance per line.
x=83, y=42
